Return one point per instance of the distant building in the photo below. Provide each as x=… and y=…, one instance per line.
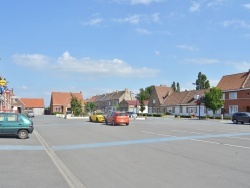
x=236, y=92
x=60, y=101
x=34, y=104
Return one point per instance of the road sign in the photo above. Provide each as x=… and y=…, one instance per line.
x=3, y=82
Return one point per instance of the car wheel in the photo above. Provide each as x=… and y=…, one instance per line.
x=106, y=122
x=23, y=134
x=127, y=124
x=90, y=119
x=235, y=121
x=242, y=122
x=96, y=119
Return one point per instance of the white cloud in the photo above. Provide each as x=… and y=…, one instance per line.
x=241, y=66
x=135, y=2
x=137, y=18
x=145, y=2
x=157, y=52
x=203, y=61
x=247, y=6
x=187, y=47
x=155, y=17
x=36, y=61
x=93, y=21
x=23, y=87
x=115, y=67
x=195, y=7
x=236, y=23
x=215, y=3
x=143, y=31
x=134, y=19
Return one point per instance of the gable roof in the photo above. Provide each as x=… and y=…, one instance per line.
x=183, y=97
x=92, y=99
x=162, y=92
x=189, y=98
x=175, y=98
x=33, y=102
x=235, y=81
x=63, y=98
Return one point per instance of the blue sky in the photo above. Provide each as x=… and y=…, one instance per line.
x=98, y=46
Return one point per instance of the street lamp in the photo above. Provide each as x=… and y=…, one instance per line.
x=198, y=85
x=153, y=105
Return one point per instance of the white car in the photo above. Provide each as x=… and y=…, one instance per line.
x=30, y=113
x=132, y=114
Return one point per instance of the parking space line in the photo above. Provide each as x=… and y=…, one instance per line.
x=143, y=141
x=69, y=177
x=205, y=141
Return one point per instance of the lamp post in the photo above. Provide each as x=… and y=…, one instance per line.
x=153, y=105
x=198, y=85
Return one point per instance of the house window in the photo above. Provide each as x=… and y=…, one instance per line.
x=233, y=95
x=192, y=110
x=223, y=96
x=233, y=109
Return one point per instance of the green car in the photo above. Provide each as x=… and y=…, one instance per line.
x=16, y=124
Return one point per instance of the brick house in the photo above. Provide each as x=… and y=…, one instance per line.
x=236, y=92
x=111, y=101
x=60, y=101
x=158, y=95
x=133, y=106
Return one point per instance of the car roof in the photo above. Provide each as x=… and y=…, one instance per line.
x=8, y=113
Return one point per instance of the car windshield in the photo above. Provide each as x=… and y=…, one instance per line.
x=100, y=113
x=121, y=114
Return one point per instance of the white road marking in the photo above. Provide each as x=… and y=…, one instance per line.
x=205, y=141
x=69, y=177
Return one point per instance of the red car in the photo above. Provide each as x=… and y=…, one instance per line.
x=117, y=118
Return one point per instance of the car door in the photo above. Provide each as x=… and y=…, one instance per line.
x=110, y=117
x=12, y=124
x=245, y=118
x=1, y=122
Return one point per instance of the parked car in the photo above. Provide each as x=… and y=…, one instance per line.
x=16, y=124
x=117, y=118
x=30, y=113
x=242, y=117
x=97, y=117
x=132, y=114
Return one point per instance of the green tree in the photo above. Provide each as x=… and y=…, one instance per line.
x=176, y=87
x=76, y=105
x=202, y=82
x=89, y=107
x=148, y=91
x=173, y=86
x=142, y=97
x=213, y=99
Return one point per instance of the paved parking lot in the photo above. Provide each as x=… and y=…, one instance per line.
x=156, y=152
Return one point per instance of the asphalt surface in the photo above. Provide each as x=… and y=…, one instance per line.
x=156, y=152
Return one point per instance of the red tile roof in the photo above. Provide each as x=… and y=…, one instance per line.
x=63, y=98
x=235, y=81
x=162, y=92
x=33, y=102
